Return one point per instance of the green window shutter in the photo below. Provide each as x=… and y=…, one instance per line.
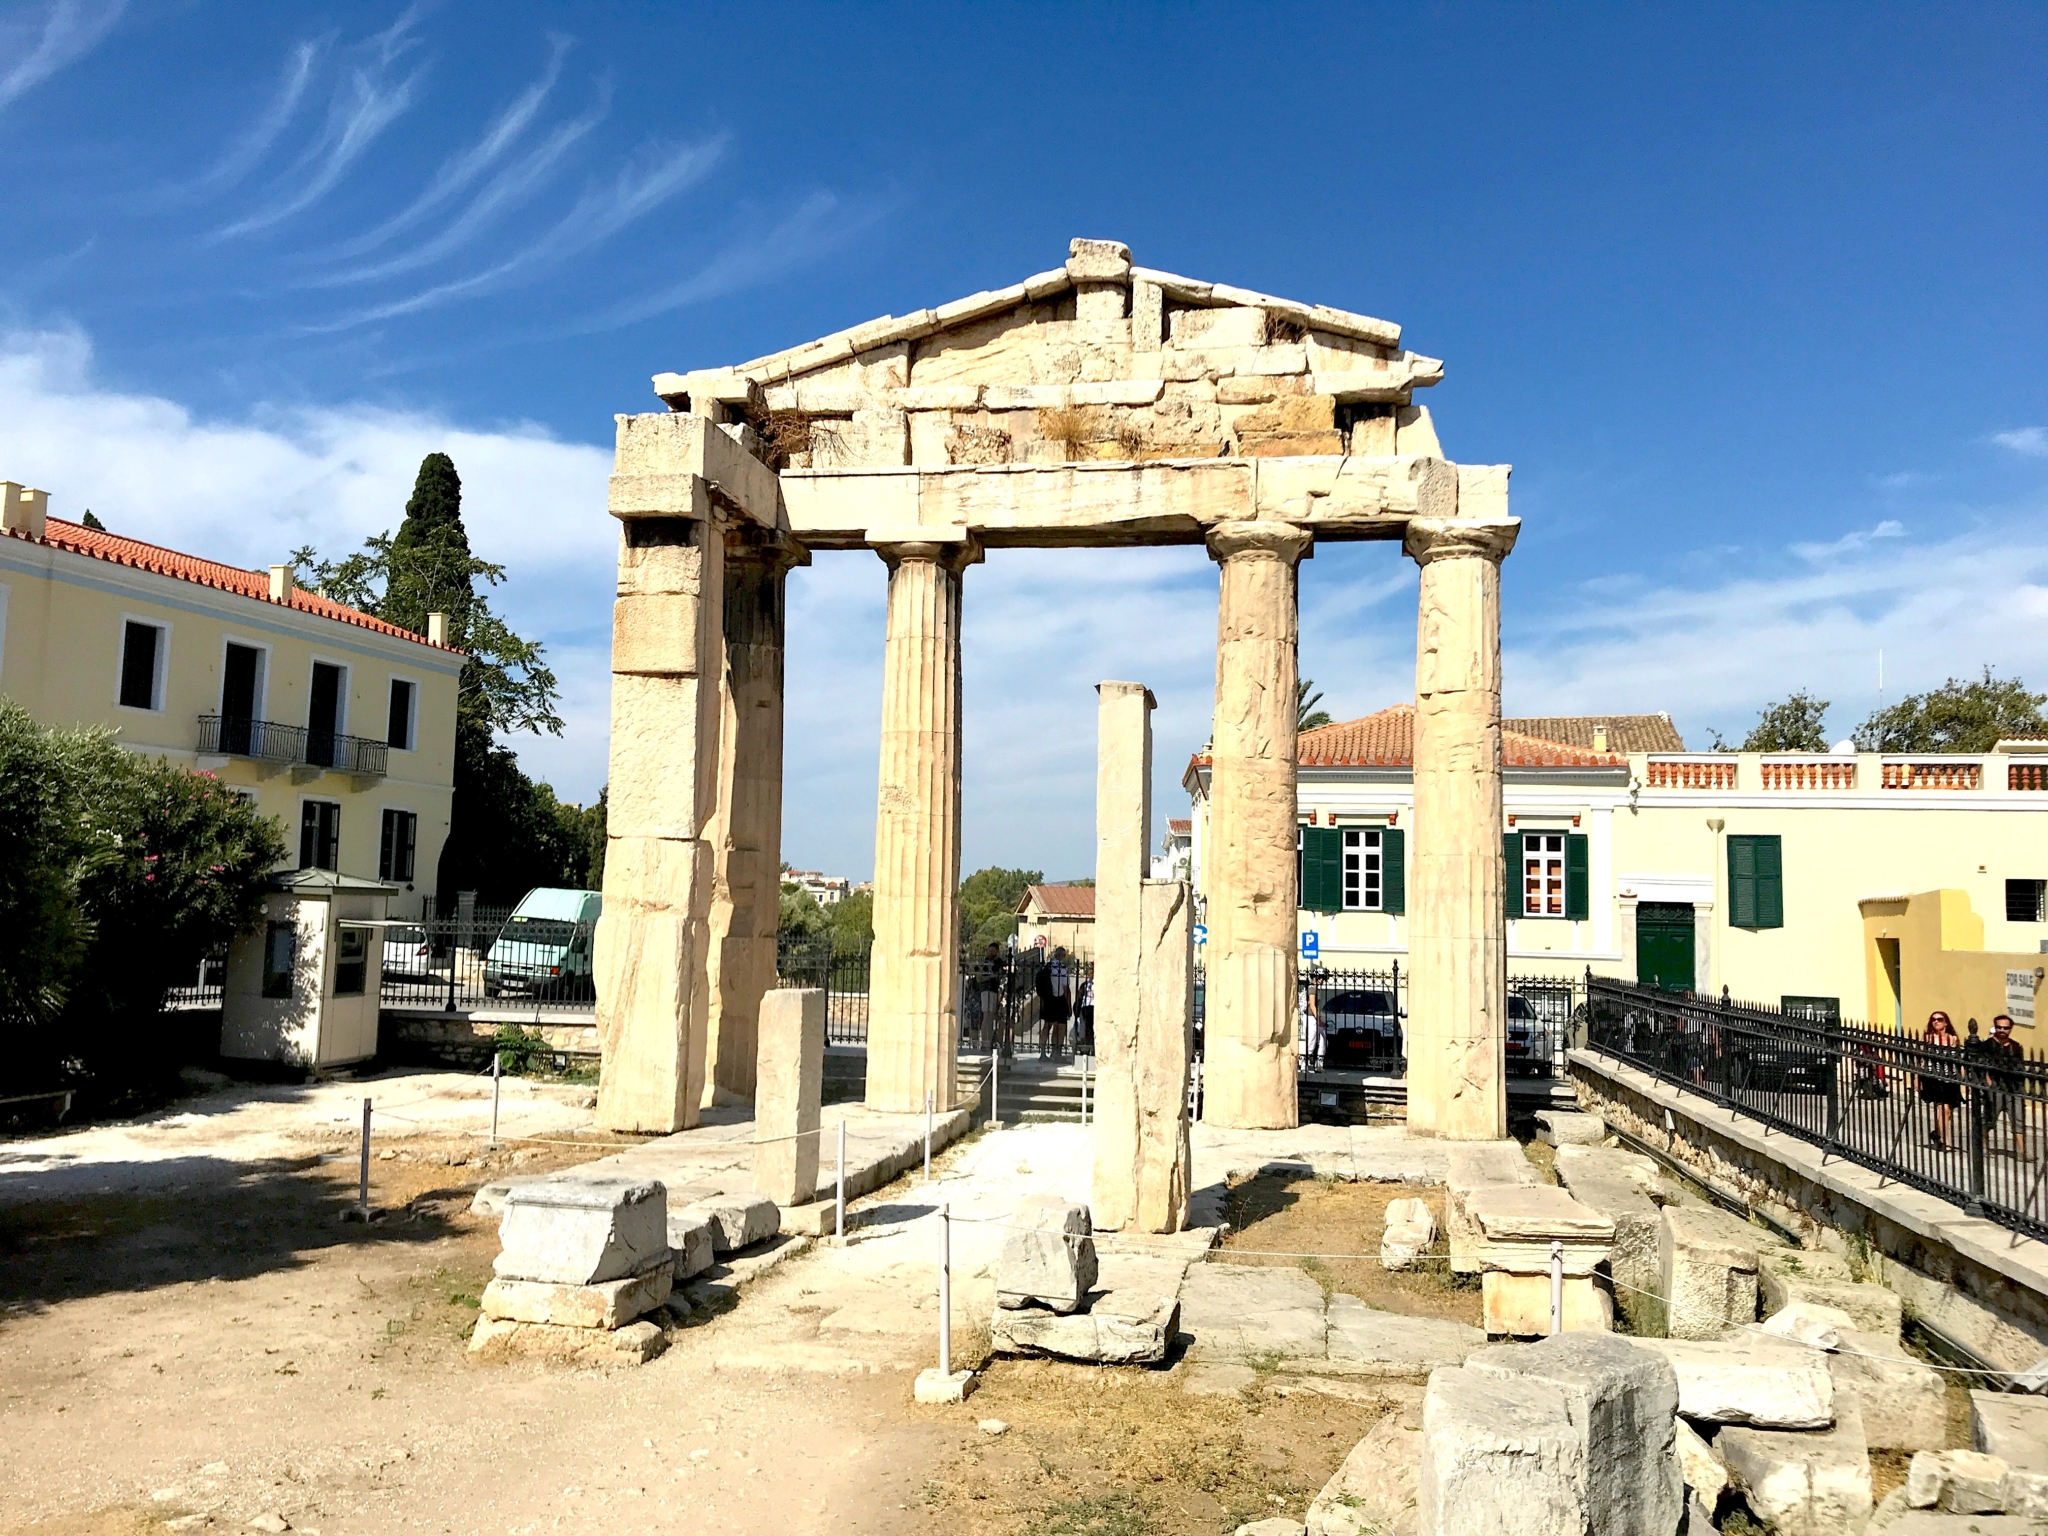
x=1393, y=872
x=1742, y=882
x=1301, y=866
x=1770, y=882
x=1511, y=858
x=1322, y=887
x=1578, y=880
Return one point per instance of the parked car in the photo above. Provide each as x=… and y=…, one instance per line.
x=1780, y=1066
x=1360, y=1029
x=544, y=948
x=407, y=955
x=1528, y=1047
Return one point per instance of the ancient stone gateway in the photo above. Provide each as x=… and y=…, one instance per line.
x=1100, y=404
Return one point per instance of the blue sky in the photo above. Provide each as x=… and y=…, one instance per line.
x=1750, y=297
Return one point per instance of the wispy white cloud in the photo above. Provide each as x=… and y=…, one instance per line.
x=651, y=178
x=247, y=152
x=1848, y=543
x=364, y=105
x=2031, y=441
x=460, y=171
x=66, y=32
x=511, y=187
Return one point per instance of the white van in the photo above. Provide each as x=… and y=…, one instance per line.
x=544, y=948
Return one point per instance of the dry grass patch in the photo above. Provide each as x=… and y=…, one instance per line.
x=1275, y=1216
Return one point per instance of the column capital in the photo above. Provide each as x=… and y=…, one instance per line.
x=770, y=547
x=1260, y=539
x=1460, y=538
x=951, y=549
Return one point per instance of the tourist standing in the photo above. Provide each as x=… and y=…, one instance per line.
x=1942, y=1092
x=2003, y=1059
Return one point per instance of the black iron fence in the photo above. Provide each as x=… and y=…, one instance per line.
x=271, y=742
x=1010, y=1001
x=1965, y=1122
x=472, y=959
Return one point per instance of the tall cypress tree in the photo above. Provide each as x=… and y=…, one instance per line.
x=430, y=562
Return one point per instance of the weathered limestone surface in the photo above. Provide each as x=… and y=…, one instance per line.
x=914, y=993
x=790, y=1084
x=1750, y=1381
x=1569, y=1128
x=1471, y=1168
x=2011, y=1426
x=1622, y=1402
x=1613, y=1183
x=746, y=832
x=1374, y=1492
x=1708, y=1260
x=1699, y=1463
x=1251, y=1048
x=1410, y=1229
x=651, y=948
x=736, y=1222
x=1166, y=1048
x=689, y=1239
x=1237, y=1312
x=1499, y=1458
x=582, y=1229
x=1363, y=1341
x=1457, y=930
x=1119, y=1328
x=1806, y=1323
x=1123, y=842
x=1517, y=1224
x=610, y=1304
x=1048, y=1256
x=1786, y=1275
x=1815, y=1483
x=1959, y=1482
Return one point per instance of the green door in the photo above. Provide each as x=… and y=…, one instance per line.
x=1664, y=945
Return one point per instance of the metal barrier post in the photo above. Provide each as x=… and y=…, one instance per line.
x=945, y=1289
x=1975, y=1109
x=497, y=1076
x=363, y=1174
x=995, y=1089
x=839, y=1202
x=1557, y=1287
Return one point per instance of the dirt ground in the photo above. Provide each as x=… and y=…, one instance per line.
x=193, y=1343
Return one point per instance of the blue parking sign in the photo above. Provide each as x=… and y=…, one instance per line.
x=1311, y=945
x=1201, y=933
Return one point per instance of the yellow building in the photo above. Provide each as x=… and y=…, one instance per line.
x=338, y=724
x=1783, y=877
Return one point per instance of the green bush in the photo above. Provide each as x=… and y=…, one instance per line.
x=118, y=873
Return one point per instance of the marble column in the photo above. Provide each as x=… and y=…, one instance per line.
x=1123, y=846
x=1249, y=1075
x=746, y=838
x=1457, y=915
x=652, y=987
x=914, y=984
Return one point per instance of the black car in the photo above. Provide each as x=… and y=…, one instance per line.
x=1360, y=1029
x=1528, y=1045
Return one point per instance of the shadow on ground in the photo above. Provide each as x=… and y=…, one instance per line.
x=203, y=1218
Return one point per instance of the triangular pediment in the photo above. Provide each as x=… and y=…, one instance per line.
x=1096, y=359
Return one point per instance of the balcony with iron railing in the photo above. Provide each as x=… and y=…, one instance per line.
x=268, y=741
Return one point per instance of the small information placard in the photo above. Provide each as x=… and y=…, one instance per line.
x=2019, y=998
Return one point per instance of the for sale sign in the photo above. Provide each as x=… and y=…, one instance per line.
x=2019, y=997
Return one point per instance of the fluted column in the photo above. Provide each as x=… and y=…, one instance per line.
x=746, y=836
x=652, y=987
x=1249, y=1076
x=914, y=986
x=1457, y=923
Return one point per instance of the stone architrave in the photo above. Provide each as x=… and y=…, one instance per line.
x=746, y=838
x=1250, y=1047
x=914, y=991
x=787, y=1094
x=652, y=986
x=1457, y=928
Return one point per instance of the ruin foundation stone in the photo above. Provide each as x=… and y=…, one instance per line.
x=790, y=1081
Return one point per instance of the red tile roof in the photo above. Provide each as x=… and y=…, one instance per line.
x=1060, y=900
x=1178, y=824
x=1387, y=740
x=98, y=545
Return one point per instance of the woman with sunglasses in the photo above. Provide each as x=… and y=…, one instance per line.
x=1942, y=1093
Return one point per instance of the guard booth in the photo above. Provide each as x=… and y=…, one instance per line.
x=304, y=986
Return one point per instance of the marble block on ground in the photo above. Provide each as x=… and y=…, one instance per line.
x=2011, y=1426
x=1960, y=1482
x=1499, y=1458
x=1473, y=1166
x=1410, y=1229
x=1622, y=1403
x=1242, y=1311
x=1871, y=1308
x=1707, y=1263
x=1750, y=1381
x=582, y=1229
x=1048, y=1255
x=1803, y=1483
x=1119, y=1328
x=736, y=1221
x=608, y=1304
x=1362, y=1341
x=1569, y=1128
x=1698, y=1462
x=1805, y=1322
x=1374, y=1492
x=1518, y=1306
x=689, y=1239
x=1904, y=1404
x=1617, y=1184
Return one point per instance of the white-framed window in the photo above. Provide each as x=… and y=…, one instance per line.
x=320, y=834
x=1543, y=893
x=145, y=652
x=1362, y=872
x=401, y=730
x=397, y=841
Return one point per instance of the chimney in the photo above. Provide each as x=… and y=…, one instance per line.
x=23, y=510
x=280, y=583
x=437, y=628
x=1600, y=737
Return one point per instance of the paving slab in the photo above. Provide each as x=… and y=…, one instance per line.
x=1243, y=1312
x=1363, y=1341
x=1811, y=1483
x=1374, y=1492
x=2011, y=1426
